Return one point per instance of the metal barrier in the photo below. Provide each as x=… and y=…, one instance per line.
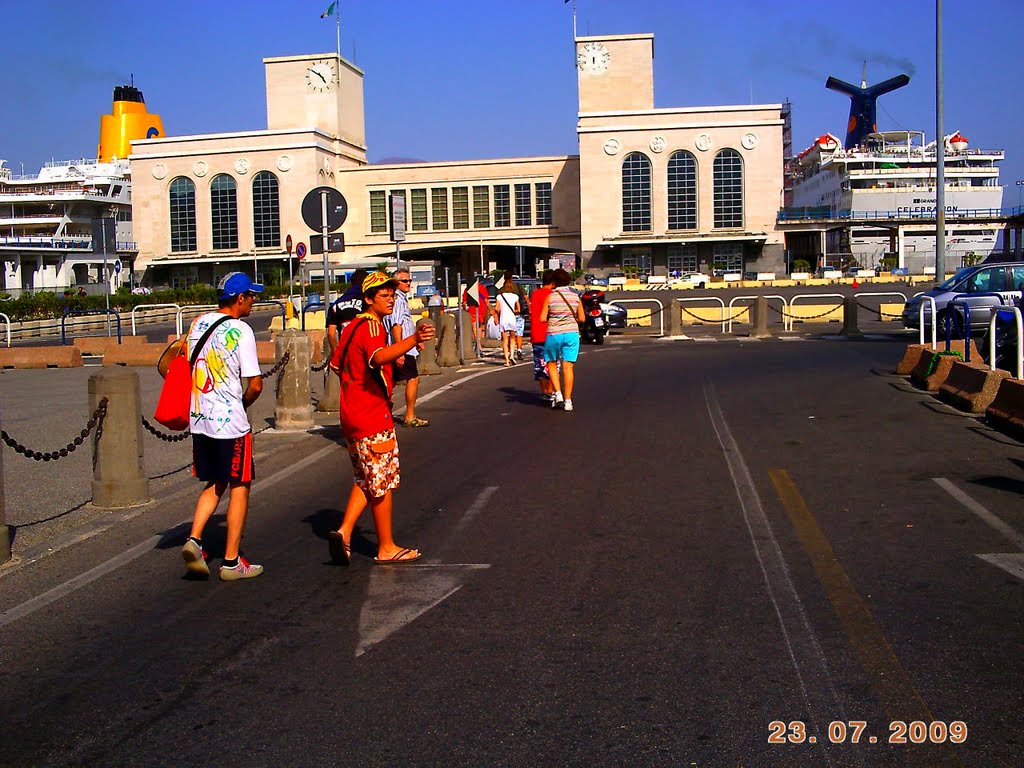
x=659, y=302
x=75, y=312
x=284, y=320
x=920, y=320
x=947, y=325
x=792, y=302
x=7, y=321
x=785, y=315
x=706, y=298
x=318, y=305
x=1006, y=314
x=143, y=307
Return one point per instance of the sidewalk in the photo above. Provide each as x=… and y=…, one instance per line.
x=46, y=409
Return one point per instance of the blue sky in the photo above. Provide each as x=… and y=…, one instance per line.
x=461, y=79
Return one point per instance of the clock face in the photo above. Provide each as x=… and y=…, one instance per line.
x=593, y=58
x=320, y=76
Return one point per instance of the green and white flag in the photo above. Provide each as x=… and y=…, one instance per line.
x=329, y=11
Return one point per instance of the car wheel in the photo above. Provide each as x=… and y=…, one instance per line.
x=955, y=328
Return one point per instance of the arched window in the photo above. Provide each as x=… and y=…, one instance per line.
x=183, y=215
x=636, y=193
x=682, y=191
x=224, y=212
x=728, y=178
x=266, y=210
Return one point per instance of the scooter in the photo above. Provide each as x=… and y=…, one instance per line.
x=595, y=324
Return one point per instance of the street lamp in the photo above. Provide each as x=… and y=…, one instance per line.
x=1020, y=189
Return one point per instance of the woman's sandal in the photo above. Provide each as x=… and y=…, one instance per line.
x=401, y=557
x=341, y=551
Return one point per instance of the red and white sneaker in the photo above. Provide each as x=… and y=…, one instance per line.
x=195, y=558
x=244, y=570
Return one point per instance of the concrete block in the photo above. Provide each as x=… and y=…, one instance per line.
x=890, y=312
x=133, y=354
x=971, y=386
x=100, y=345
x=1006, y=412
x=911, y=357
x=931, y=381
x=266, y=352
x=40, y=357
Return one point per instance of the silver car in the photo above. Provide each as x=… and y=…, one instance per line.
x=997, y=284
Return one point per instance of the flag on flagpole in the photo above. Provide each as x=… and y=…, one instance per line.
x=329, y=11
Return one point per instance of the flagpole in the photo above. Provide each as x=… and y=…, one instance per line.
x=337, y=25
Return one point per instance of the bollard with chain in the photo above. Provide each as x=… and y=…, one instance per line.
x=760, y=310
x=118, y=476
x=850, y=309
x=467, y=344
x=5, y=535
x=332, y=387
x=293, y=411
x=675, y=318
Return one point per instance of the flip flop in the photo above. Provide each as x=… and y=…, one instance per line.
x=399, y=558
x=341, y=552
x=416, y=421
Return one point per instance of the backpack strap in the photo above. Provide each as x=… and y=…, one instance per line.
x=204, y=338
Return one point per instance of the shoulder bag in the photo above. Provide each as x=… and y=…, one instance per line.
x=172, y=409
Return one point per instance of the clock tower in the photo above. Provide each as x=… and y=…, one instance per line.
x=615, y=72
x=322, y=91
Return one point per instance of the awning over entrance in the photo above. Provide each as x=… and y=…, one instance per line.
x=717, y=237
x=171, y=261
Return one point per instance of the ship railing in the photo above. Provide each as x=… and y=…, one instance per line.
x=814, y=213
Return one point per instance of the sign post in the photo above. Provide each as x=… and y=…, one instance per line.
x=324, y=209
x=291, y=282
x=104, y=234
x=397, y=211
x=300, y=253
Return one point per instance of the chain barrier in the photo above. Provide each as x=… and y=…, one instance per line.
x=317, y=367
x=279, y=365
x=713, y=320
x=878, y=311
x=164, y=435
x=791, y=316
x=96, y=418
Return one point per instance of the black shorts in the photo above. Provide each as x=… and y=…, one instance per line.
x=407, y=370
x=223, y=460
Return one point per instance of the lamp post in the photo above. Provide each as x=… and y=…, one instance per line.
x=1020, y=189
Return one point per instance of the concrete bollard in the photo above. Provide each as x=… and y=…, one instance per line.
x=293, y=411
x=5, y=534
x=331, y=398
x=119, y=479
x=850, y=309
x=427, y=362
x=447, y=350
x=760, y=319
x=675, y=318
x=467, y=347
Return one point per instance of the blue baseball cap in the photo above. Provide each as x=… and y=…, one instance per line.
x=234, y=283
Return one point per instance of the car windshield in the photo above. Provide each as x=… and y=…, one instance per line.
x=956, y=278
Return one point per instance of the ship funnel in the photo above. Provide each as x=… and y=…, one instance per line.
x=862, y=105
x=129, y=120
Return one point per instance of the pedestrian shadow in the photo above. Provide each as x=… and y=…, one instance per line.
x=1001, y=483
x=214, y=540
x=524, y=396
x=328, y=519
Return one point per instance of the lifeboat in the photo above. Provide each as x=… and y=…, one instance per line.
x=958, y=142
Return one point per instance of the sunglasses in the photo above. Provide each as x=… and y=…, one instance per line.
x=406, y=282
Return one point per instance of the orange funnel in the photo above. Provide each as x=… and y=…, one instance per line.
x=129, y=121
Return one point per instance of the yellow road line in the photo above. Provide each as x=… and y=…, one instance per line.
x=890, y=681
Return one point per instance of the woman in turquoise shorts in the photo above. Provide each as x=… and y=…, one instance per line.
x=563, y=312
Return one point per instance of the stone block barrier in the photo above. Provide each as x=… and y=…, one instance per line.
x=972, y=386
x=145, y=354
x=40, y=357
x=1006, y=412
x=933, y=368
x=911, y=357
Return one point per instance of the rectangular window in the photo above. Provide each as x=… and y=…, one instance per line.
x=682, y=259
x=460, y=207
x=543, y=190
x=524, y=208
x=439, y=208
x=378, y=211
x=481, y=207
x=728, y=257
x=419, y=210
x=502, y=206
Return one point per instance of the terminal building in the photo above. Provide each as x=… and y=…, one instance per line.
x=652, y=191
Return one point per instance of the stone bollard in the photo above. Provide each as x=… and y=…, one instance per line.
x=447, y=350
x=675, y=318
x=5, y=535
x=331, y=397
x=427, y=362
x=850, y=309
x=467, y=348
x=760, y=319
x=294, y=411
x=118, y=476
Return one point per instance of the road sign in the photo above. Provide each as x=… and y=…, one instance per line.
x=300, y=251
x=288, y=244
x=312, y=209
x=335, y=243
x=104, y=236
x=117, y=266
x=397, y=217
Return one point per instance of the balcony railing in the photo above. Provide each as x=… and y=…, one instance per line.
x=824, y=213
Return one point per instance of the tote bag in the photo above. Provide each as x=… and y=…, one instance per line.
x=172, y=409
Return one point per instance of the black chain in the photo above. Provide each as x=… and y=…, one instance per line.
x=707, y=320
x=317, y=368
x=879, y=311
x=791, y=316
x=97, y=418
x=164, y=435
x=279, y=365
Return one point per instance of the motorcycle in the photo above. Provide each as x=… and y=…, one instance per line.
x=595, y=324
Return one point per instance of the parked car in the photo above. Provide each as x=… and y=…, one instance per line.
x=615, y=314
x=694, y=278
x=998, y=284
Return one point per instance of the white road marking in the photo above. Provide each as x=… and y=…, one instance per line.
x=129, y=555
x=1012, y=564
x=986, y=516
x=474, y=509
x=805, y=653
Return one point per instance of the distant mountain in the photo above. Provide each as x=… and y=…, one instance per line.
x=398, y=161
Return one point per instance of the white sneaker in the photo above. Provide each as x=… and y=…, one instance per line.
x=568, y=405
x=556, y=399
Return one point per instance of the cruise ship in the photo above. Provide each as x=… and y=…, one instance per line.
x=880, y=189
x=46, y=219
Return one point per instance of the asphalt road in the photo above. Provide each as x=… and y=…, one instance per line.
x=721, y=536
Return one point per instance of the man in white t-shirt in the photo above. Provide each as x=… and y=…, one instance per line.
x=226, y=379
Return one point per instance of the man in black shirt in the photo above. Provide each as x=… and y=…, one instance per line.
x=345, y=308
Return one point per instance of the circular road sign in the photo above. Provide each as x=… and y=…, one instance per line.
x=312, y=209
x=300, y=251
x=117, y=266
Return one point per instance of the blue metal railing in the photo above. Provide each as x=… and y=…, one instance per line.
x=73, y=312
x=824, y=213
